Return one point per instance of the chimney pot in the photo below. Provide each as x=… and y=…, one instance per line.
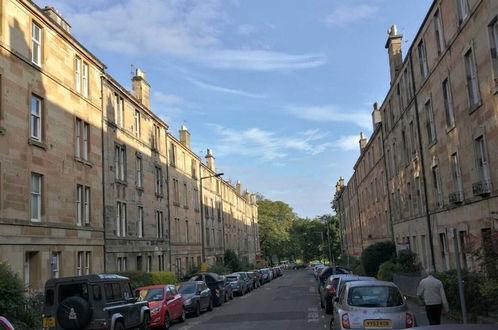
x=141, y=88
x=393, y=46
x=210, y=160
x=57, y=18
x=185, y=136
x=363, y=141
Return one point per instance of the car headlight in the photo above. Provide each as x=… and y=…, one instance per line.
x=187, y=302
x=155, y=310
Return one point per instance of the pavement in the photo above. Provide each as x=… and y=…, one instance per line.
x=289, y=302
x=421, y=316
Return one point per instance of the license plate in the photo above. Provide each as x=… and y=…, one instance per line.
x=48, y=322
x=377, y=323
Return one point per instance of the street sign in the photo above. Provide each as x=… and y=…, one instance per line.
x=204, y=266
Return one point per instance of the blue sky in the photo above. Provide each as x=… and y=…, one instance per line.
x=279, y=89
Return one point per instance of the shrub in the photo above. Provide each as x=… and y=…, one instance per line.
x=163, y=278
x=11, y=292
x=407, y=261
x=387, y=270
x=219, y=269
x=137, y=278
x=489, y=292
x=232, y=260
x=374, y=255
x=472, y=290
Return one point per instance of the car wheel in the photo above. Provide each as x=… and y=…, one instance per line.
x=329, y=308
x=210, y=307
x=183, y=317
x=167, y=321
x=146, y=323
x=197, y=310
x=119, y=326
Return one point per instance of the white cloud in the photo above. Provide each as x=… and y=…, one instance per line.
x=221, y=89
x=190, y=29
x=348, y=143
x=261, y=144
x=246, y=29
x=161, y=97
x=347, y=14
x=331, y=113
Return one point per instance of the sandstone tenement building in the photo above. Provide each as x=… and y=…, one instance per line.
x=91, y=180
x=439, y=133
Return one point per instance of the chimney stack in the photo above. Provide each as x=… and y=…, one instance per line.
x=57, y=18
x=238, y=187
x=363, y=141
x=393, y=46
x=376, y=117
x=141, y=88
x=185, y=136
x=210, y=160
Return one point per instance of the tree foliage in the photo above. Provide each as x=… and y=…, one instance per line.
x=376, y=254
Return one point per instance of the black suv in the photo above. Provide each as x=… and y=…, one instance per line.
x=216, y=283
x=93, y=302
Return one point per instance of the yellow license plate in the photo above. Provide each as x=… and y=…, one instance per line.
x=377, y=323
x=48, y=322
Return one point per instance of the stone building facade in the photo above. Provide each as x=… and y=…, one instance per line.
x=440, y=130
x=91, y=180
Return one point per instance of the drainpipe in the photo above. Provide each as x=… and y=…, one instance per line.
x=428, y=216
x=169, y=207
x=103, y=122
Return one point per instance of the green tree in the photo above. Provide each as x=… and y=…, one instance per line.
x=232, y=260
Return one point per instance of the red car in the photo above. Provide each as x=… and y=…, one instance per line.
x=165, y=304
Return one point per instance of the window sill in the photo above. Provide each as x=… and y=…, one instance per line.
x=450, y=128
x=432, y=144
x=159, y=195
x=140, y=188
x=474, y=107
x=124, y=183
x=38, y=144
x=83, y=161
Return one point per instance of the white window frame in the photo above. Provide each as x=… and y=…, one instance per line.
x=139, y=169
x=148, y=266
x=463, y=10
x=422, y=57
x=79, y=263
x=493, y=39
x=430, y=125
x=36, y=44
x=79, y=205
x=88, y=262
x=77, y=74
x=55, y=264
x=77, y=146
x=140, y=222
x=439, y=31
x=121, y=219
x=473, y=92
x=158, y=178
x=85, y=79
x=436, y=177
x=456, y=173
x=120, y=162
x=137, y=124
x=482, y=158
x=36, y=118
x=86, y=205
x=448, y=103
x=36, y=196
x=86, y=138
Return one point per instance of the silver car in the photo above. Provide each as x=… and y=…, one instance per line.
x=371, y=305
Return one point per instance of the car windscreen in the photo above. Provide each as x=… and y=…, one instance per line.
x=374, y=296
x=187, y=288
x=232, y=278
x=152, y=294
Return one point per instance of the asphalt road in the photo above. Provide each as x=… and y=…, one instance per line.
x=288, y=302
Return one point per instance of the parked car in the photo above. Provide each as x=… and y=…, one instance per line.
x=93, y=302
x=196, y=296
x=5, y=324
x=249, y=281
x=238, y=284
x=165, y=304
x=259, y=277
x=333, y=287
x=371, y=304
x=254, y=280
x=227, y=290
x=332, y=270
x=266, y=275
x=216, y=283
x=328, y=290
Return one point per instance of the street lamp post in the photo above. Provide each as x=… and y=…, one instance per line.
x=202, y=213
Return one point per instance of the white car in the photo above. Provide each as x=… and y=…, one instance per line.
x=371, y=305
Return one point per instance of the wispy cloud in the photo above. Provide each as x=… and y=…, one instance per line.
x=166, y=98
x=331, y=113
x=246, y=29
x=348, y=143
x=187, y=29
x=221, y=89
x=262, y=144
x=351, y=13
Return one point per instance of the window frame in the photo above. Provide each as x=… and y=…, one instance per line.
x=38, y=194
x=422, y=57
x=85, y=79
x=140, y=222
x=472, y=79
x=36, y=43
x=439, y=31
x=449, y=108
x=36, y=119
x=430, y=122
